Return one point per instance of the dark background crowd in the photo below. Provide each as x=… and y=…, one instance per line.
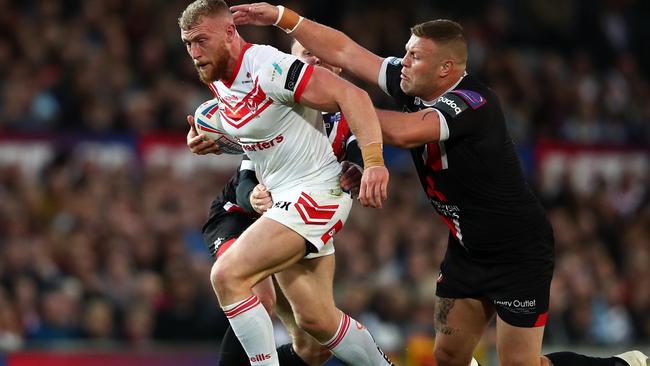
x=116, y=256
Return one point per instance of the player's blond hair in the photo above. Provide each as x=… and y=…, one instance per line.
x=200, y=8
x=445, y=33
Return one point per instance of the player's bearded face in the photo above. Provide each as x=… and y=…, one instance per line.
x=214, y=66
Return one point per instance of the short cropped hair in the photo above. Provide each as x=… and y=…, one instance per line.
x=200, y=8
x=444, y=32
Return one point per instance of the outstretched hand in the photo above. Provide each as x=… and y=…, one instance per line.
x=254, y=14
x=198, y=143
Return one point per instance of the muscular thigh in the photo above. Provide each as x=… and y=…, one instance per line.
x=460, y=323
x=266, y=247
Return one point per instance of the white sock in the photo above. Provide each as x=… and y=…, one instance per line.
x=252, y=326
x=354, y=345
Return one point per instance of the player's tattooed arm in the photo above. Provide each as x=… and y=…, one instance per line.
x=408, y=130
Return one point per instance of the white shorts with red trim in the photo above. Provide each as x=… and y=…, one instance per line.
x=315, y=214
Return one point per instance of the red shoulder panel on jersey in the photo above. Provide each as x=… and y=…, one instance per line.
x=303, y=83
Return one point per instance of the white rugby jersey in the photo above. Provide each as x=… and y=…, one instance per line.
x=285, y=140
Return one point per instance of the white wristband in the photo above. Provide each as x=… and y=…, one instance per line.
x=280, y=14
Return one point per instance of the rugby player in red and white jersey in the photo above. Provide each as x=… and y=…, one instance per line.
x=235, y=209
x=269, y=100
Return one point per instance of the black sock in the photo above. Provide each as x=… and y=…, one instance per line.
x=288, y=357
x=231, y=352
x=575, y=359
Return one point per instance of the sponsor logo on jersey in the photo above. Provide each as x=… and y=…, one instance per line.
x=230, y=98
x=277, y=68
x=282, y=205
x=261, y=357
x=395, y=61
x=520, y=306
x=293, y=76
x=263, y=145
x=451, y=104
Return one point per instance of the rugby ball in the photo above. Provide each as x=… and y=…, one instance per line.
x=207, y=121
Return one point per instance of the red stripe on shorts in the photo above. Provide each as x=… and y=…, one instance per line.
x=541, y=319
x=223, y=247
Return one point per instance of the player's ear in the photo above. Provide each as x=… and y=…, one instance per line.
x=231, y=32
x=446, y=67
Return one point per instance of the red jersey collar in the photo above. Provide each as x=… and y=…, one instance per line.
x=228, y=83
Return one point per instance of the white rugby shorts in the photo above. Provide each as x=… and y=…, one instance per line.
x=315, y=214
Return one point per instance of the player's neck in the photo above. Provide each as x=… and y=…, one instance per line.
x=449, y=83
x=235, y=49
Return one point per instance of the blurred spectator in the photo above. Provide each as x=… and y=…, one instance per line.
x=120, y=65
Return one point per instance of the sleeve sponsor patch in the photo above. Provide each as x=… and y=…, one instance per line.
x=474, y=99
x=452, y=104
x=293, y=75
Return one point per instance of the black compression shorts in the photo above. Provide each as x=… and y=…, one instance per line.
x=221, y=229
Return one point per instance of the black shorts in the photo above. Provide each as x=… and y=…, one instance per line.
x=519, y=290
x=221, y=230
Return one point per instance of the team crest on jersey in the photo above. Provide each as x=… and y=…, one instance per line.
x=240, y=113
x=252, y=105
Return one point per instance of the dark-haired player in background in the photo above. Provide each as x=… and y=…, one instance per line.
x=500, y=253
x=234, y=210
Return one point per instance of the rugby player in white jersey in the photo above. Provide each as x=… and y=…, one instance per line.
x=234, y=210
x=270, y=101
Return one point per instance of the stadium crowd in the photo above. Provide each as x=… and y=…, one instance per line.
x=110, y=255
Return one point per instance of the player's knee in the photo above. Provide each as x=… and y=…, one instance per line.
x=448, y=357
x=310, y=351
x=224, y=276
x=313, y=322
